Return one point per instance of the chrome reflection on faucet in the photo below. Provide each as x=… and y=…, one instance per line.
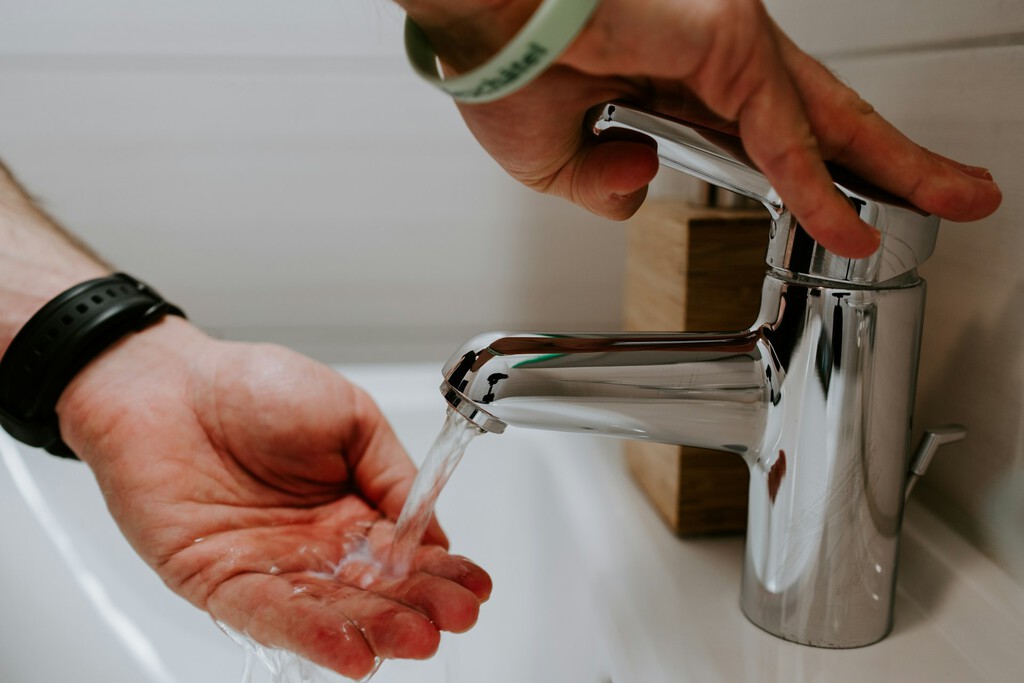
x=816, y=396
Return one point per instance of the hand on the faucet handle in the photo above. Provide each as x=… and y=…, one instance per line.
x=723, y=64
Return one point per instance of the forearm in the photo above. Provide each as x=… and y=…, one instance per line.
x=38, y=260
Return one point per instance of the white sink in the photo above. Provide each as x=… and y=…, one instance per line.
x=589, y=586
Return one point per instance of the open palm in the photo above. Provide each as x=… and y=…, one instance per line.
x=263, y=487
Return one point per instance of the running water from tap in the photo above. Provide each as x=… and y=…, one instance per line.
x=362, y=563
x=438, y=466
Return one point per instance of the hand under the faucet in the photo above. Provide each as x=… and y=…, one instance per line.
x=722, y=64
x=256, y=482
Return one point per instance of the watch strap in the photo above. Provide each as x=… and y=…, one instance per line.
x=58, y=341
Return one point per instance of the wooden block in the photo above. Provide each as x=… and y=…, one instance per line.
x=697, y=269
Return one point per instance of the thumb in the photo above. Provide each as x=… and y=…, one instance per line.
x=610, y=178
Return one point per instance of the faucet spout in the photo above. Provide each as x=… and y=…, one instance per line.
x=710, y=390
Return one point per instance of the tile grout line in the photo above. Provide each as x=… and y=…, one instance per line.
x=973, y=43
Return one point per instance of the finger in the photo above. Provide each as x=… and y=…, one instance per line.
x=450, y=606
x=851, y=133
x=455, y=568
x=435, y=535
x=610, y=179
x=331, y=624
x=447, y=589
x=537, y=136
x=778, y=138
x=307, y=627
x=393, y=630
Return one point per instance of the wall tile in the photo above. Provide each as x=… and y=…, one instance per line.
x=835, y=28
x=248, y=27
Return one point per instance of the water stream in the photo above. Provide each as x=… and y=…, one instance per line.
x=441, y=460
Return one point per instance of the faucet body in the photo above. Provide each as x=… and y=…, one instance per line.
x=816, y=395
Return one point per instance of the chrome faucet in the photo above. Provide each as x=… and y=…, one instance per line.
x=816, y=396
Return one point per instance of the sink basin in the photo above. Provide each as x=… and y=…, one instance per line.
x=589, y=586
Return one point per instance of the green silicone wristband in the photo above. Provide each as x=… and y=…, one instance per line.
x=547, y=34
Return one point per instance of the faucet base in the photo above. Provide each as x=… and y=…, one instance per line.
x=773, y=621
x=827, y=487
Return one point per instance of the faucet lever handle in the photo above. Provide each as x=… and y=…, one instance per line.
x=712, y=156
x=908, y=235
x=930, y=442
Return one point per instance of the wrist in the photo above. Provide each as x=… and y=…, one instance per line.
x=112, y=396
x=61, y=339
x=465, y=33
x=26, y=288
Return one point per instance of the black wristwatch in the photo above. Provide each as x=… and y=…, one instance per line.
x=58, y=341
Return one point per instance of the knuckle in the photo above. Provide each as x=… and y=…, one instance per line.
x=737, y=58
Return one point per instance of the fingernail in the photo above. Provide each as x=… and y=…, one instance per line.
x=978, y=172
x=872, y=241
x=876, y=239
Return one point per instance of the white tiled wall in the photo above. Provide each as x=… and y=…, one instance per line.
x=276, y=169
x=951, y=75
